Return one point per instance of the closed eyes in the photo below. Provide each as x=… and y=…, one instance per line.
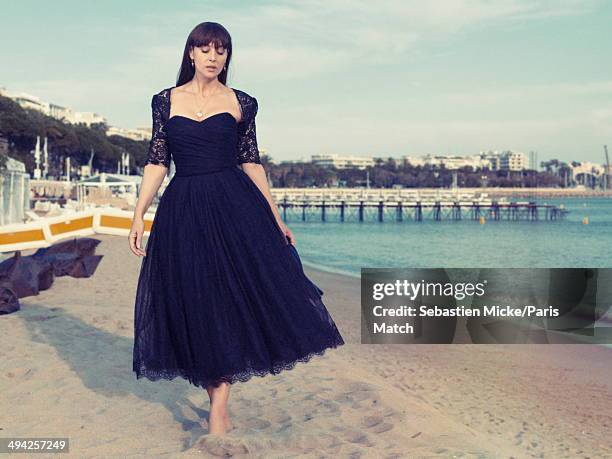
x=219, y=50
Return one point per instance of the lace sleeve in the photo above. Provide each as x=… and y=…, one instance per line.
x=158, y=147
x=248, y=152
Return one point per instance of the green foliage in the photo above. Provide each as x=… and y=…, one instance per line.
x=21, y=126
x=390, y=172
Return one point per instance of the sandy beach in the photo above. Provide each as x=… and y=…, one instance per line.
x=65, y=371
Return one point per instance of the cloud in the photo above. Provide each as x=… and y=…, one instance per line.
x=304, y=39
x=367, y=135
x=290, y=40
x=284, y=44
x=528, y=92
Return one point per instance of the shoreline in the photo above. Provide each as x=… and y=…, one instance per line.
x=310, y=266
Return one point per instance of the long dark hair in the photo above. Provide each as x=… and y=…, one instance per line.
x=202, y=35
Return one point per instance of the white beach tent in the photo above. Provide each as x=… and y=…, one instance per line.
x=114, y=184
x=14, y=192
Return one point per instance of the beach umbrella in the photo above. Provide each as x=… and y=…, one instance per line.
x=85, y=266
x=27, y=276
x=72, y=258
x=71, y=264
x=81, y=246
x=46, y=276
x=8, y=300
x=62, y=262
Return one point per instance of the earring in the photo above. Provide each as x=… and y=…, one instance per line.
x=192, y=63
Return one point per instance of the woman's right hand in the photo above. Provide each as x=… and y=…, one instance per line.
x=135, y=237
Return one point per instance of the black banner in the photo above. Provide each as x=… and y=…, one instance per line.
x=488, y=305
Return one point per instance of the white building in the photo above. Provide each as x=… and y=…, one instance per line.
x=491, y=159
x=68, y=115
x=87, y=118
x=65, y=114
x=455, y=162
x=448, y=161
x=29, y=101
x=512, y=161
x=342, y=162
x=587, y=173
x=507, y=160
x=134, y=134
x=412, y=160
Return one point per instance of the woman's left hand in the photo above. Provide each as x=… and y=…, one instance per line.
x=287, y=232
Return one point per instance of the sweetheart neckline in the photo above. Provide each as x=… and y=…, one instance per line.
x=207, y=118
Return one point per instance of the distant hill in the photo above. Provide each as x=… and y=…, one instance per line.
x=21, y=126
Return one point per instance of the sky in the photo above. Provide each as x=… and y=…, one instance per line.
x=352, y=77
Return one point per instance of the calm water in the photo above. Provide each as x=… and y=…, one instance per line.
x=347, y=247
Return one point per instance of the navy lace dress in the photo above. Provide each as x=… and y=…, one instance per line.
x=221, y=294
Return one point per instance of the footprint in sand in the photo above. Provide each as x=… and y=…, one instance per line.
x=359, y=397
x=519, y=438
x=256, y=424
x=327, y=407
x=376, y=423
x=356, y=436
x=217, y=446
x=279, y=417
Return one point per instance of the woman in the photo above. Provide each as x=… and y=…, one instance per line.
x=221, y=294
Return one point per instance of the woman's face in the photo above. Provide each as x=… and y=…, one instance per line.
x=208, y=60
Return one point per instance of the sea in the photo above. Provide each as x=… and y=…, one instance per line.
x=583, y=238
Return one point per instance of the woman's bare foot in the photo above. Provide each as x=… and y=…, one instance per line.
x=218, y=420
x=228, y=425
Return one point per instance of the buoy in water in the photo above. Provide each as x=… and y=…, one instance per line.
x=585, y=221
x=482, y=220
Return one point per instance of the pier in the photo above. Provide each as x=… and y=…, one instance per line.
x=406, y=205
x=419, y=211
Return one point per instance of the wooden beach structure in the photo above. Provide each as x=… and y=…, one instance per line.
x=404, y=204
x=422, y=210
x=45, y=231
